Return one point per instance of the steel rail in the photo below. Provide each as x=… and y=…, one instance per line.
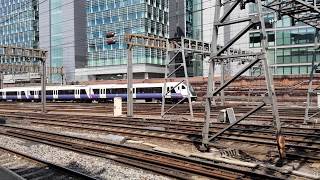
x=94, y=147
x=61, y=170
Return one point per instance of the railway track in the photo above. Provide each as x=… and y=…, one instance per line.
x=169, y=164
x=292, y=116
x=31, y=168
x=307, y=139
x=151, y=108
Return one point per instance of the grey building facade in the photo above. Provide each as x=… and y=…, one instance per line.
x=62, y=31
x=185, y=19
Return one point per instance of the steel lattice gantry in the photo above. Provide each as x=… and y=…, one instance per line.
x=183, y=46
x=307, y=12
x=173, y=47
x=218, y=56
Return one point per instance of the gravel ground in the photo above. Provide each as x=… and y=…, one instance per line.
x=98, y=167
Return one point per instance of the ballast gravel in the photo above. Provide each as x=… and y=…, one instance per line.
x=99, y=168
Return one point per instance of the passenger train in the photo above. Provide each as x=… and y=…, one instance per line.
x=100, y=93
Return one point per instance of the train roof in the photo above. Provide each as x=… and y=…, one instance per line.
x=39, y=87
x=134, y=85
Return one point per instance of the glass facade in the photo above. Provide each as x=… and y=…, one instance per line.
x=148, y=17
x=56, y=41
x=19, y=23
x=291, y=44
x=194, y=19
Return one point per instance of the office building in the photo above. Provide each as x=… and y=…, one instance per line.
x=58, y=26
x=185, y=20
x=133, y=16
x=62, y=31
x=291, y=45
x=19, y=23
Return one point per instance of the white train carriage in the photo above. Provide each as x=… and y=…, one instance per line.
x=101, y=92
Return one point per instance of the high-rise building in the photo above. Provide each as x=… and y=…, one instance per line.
x=58, y=26
x=62, y=29
x=19, y=23
x=19, y=27
x=185, y=19
x=131, y=16
x=291, y=44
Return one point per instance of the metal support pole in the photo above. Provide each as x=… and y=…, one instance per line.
x=43, y=85
x=269, y=82
x=222, y=97
x=129, y=83
x=210, y=88
x=164, y=90
x=1, y=79
x=186, y=76
x=306, y=114
x=313, y=68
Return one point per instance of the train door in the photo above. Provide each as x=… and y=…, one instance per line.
x=18, y=94
x=103, y=93
x=36, y=94
x=27, y=94
x=134, y=93
x=183, y=90
x=168, y=92
x=55, y=94
x=77, y=93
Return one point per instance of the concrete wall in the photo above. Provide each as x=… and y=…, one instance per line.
x=87, y=74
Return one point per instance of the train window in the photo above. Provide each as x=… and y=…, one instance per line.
x=32, y=93
x=49, y=92
x=157, y=90
x=149, y=90
x=96, y=91
x=83, y=91
x=61, y=92
x=120, y=91
x=183, y=87
x=12, y=93
x=23, y=93
x=168, y=89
